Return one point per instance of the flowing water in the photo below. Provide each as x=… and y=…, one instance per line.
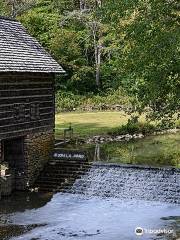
x=130, y=182
x=107, y=203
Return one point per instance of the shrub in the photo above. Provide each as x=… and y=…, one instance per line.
x=134, y=127
x=68, y=101
x=177, y=124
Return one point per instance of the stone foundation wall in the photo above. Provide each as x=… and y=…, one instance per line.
x=0, y=167
x=38, y=149
x=7, y=184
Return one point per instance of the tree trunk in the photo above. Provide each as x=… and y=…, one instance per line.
x=13, y=8
x=99, y=3
x=18, y=7
x=98, y=65
x=82, y=4
x=97, y=53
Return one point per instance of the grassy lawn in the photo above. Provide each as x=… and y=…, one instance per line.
x=89, y=123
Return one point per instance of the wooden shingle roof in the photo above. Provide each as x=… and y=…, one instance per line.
x=19, y=52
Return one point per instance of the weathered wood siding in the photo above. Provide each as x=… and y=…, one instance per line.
x=26, y=103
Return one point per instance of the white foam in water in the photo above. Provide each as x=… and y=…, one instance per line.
x=73, y=217
x=130, y=183
x=108, y=203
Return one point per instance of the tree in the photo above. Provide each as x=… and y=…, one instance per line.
x=78, y=38
x=13, y=8
x=107, y=44
x=95, y=30
x=148, y=57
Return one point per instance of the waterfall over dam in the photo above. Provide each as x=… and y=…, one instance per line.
x=128, y=182
x=105, y=202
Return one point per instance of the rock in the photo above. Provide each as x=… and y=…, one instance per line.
x=119, y=137
x=140, y=135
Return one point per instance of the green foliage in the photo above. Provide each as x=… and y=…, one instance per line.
x=135, y=127
x=3, y=8
x=177, y=123
x=41, y=25
x=14, y=8
x=149, y=31
x=137, y=42
x=68, y=101
x=111, y=97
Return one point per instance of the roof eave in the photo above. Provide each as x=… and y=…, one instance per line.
x=32, y=71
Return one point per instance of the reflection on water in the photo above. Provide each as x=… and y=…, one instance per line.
x=21, y=201
x=73, y=217
x=160, y=150
x=153, y=150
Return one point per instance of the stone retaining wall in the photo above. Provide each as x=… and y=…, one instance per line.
x=0, y=168
x=7, y=184
x=38, y=150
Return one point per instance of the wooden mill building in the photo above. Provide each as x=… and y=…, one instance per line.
x=27, y=106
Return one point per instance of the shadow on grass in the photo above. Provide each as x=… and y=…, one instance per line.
x=83, y=129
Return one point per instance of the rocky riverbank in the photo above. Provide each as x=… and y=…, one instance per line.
x=125, y=137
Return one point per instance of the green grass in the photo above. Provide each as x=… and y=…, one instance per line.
x=90, y=123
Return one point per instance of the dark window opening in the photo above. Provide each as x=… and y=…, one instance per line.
x=34, y=111
x=19, y=112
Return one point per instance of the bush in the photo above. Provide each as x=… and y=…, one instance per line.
x=134, y=127
x=177, y=124
x=68, y=101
